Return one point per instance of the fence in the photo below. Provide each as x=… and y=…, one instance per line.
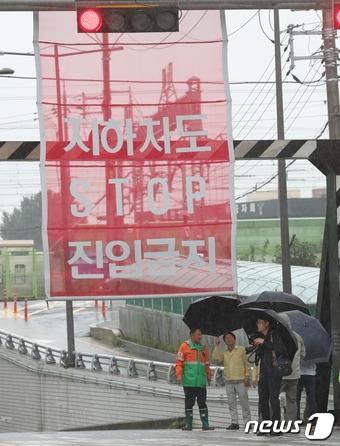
x=111, y=365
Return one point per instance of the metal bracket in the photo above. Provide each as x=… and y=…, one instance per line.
x=49, y=359
x=172, y=374
x=79, y=362
x=35, y=353
x=151, y=372
x=22, y=349
x=63, y=359
x=9, y=343
x=95, y=364
x=114, y=369
x=132, y=369
x=218, y=378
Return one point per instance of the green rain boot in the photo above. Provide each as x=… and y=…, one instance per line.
x=205, y=420
x=188, y=420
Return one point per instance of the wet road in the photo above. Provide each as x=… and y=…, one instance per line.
x=157, y=437
x=48, y=326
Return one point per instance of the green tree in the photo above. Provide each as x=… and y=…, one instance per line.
x=24, y=223
x=301, y=253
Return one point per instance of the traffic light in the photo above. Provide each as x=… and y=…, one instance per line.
x=127, y=20
x=336, y=16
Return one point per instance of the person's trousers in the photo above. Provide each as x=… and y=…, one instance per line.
x=195, y=393
x=307, y=382
x=234, y=390
x=289, y=387
x=269, y=392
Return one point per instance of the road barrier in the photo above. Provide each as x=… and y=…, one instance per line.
x=15, y=304
x=98, y=363
x=26, y=310
x=5, y=300
x=103, y=309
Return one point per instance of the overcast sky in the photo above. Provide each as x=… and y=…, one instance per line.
x=250, y=59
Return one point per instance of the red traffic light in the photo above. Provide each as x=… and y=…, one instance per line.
x=128, y=20
x=90, y=20
x=336, y=16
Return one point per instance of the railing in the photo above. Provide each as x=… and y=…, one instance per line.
x=113, y=365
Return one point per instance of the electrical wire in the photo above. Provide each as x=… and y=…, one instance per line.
x=262, y=29
x=322, y=131
x=242, y=26
x=262, y=185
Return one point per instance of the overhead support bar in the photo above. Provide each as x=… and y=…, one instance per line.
x=64, y=5
x=312, y=149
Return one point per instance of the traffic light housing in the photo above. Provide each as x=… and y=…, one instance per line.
x=336, y=16
x=127, y=20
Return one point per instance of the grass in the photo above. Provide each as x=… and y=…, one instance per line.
x=253, y=235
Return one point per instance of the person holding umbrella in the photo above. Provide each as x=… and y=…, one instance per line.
x=236, y=375
x=193, y=373
x=318, y=345
x=269, y=347
x=289, y=384
x=307, y=381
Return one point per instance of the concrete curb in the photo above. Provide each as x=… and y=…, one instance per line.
x=109, y=336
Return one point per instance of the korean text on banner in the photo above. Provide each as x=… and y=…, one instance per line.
x=136, y=160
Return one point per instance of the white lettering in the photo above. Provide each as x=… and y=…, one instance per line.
x=164, y=206
x=248, y=426
x=84, y=201
x=118, y=182
x=194, y=195
x=112, y=124
x=265, y=426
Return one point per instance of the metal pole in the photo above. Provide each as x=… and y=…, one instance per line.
x=282, y=175
x=332, y=199
x=58, y=90
x=332, y=86
x=34, y=274
x=65, y=180
x=106, y=108
x=70, y=333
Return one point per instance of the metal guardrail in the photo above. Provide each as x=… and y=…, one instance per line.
x=112, y=365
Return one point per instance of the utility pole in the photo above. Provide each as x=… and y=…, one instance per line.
x=65, y=179
x=331, y=315
x=282, y=174
x=332, y=80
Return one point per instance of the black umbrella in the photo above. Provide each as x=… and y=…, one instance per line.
x=317, y=341
x=250, y=316
x=275, y=300
x=214, y=315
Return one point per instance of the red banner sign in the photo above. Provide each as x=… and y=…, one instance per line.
x=136, y=160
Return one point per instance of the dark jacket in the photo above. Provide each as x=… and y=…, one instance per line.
x=272, y=342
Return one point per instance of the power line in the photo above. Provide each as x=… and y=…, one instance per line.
x=262, y=185
x=242, y=26
x=262, y=29
x=322, y=131
x=100, y=80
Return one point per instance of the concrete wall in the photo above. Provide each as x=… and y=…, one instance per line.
x=40, y=397
x=36, y=396
x=159, y=329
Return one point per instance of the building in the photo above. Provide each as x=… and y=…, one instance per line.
x=18, y=268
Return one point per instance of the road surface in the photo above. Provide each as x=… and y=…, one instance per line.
x=48, y=326
x=159, y=438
